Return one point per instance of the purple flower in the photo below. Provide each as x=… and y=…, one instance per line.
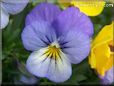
x=57, y=39
x=8, y=7
x=109, y=77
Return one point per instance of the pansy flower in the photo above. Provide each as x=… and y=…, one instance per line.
x=89, y=7
x=8, y=7
x=102, y=52
x=57, y=39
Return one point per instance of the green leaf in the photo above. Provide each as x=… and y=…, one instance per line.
x=80, y=77
x=0, y=45
x=97, y=28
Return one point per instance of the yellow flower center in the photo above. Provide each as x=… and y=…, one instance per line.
x=53, y=51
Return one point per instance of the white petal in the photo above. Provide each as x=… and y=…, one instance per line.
x=61, y=70
x=58, y=70
x=4, y=19
x=37, y=63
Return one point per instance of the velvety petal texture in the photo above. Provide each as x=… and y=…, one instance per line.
x=47, y=12
x=72, y=18
x=76, y=45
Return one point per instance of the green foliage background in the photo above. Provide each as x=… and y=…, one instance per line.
x=14, y=55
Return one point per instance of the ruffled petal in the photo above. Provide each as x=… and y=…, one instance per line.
x=40, y=65
x=4, y=19
x=37, y=35
x=102, y=55
x=44, y=11
x=72, y=18
x=76, y=45
x=14, y=7
x=104, y=36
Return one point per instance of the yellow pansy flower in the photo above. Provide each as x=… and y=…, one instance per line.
x=89, y=7
x=102, y=50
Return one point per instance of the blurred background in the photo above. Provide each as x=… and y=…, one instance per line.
x=14, y=55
